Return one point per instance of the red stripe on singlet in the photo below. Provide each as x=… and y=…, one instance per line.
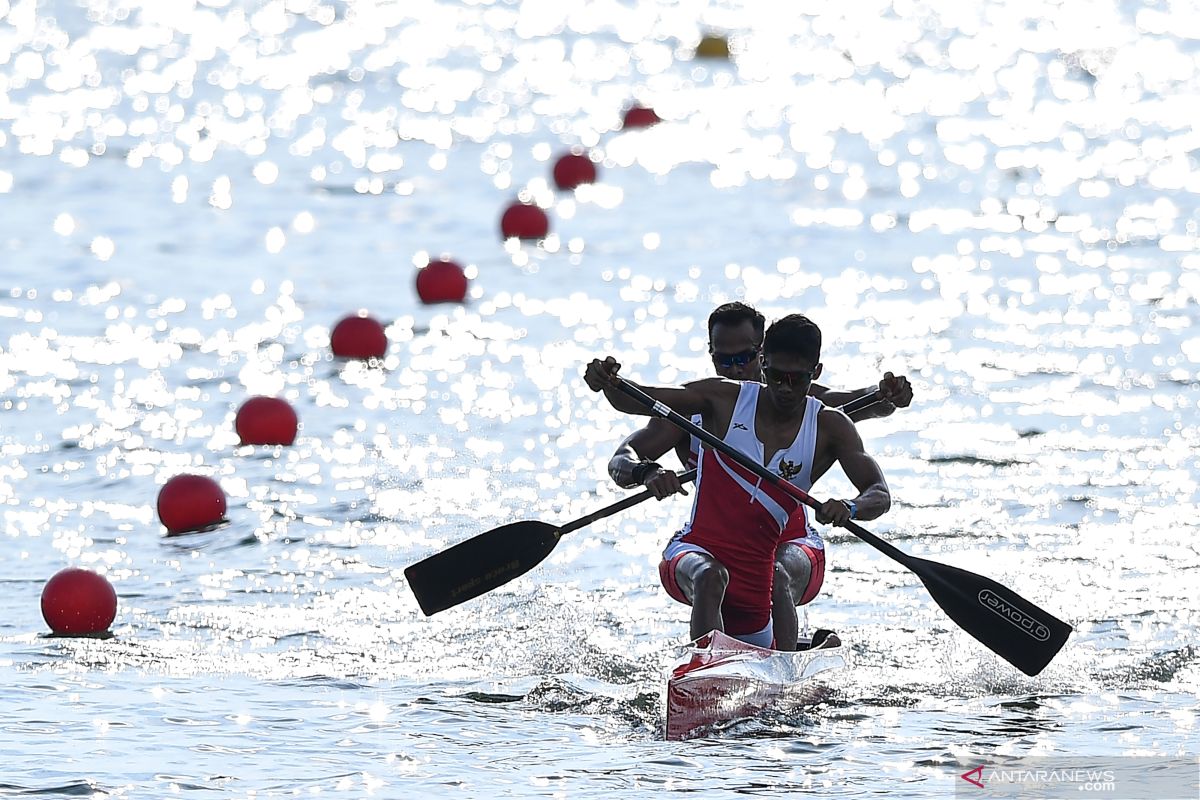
x=738, y=529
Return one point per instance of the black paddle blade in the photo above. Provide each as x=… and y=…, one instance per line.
x=1024, y=635
x=479, y=564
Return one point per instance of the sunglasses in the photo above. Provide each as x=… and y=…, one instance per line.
x=728, y=360
x=789, y=376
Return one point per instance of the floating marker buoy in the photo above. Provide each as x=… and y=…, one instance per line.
x=524, y=221
x=713, y=46
x=190, y=503
x=78, y=601
x=358, y=336
x=266, y=420
x=574, y=169
x=441, y=281
x=639, y=117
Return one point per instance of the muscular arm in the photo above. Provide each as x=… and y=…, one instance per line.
x=842, y=444
x=839, y=397
x=894, y=392
x=713, y=398
x=704, y=397
x=643, y=446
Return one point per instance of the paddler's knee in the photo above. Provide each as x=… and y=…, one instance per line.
x=711, y=577
x=793, y=568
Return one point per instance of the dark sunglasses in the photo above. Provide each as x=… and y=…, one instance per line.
x=741, y=359
x=790, y=377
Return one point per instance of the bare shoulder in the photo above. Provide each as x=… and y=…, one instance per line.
x=834, y=422
x=832, y=415
x=655, y=439
x=707, y=382
x=656, y=424
x=663, y=430
x=715, y=387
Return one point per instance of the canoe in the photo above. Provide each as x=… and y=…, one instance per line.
x=724, y=679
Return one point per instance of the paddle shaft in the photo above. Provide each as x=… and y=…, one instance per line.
x=1026, y=636
x=619, y=506
x=482, y=563
x=857, y=404
x=665, y=411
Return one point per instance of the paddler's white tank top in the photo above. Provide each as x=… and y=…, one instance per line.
x=793, y=462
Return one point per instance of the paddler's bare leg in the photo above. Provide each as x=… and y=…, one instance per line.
x=783, y=611
x=793, y=571
x=703, y=581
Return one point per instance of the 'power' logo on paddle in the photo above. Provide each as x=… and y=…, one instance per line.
x=977, y=780
x=1016, y=616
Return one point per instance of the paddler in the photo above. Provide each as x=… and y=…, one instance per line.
x=735, y=334
x=742, y=536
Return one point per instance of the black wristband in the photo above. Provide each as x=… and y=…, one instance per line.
x=643, y=469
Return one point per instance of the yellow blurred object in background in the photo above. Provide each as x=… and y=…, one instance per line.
x=713, y=46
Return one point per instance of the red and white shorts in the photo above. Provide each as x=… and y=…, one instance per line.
x=737, y=622
x=816, y=568
x=812, y=547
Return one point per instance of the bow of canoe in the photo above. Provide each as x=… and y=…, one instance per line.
x=724, y=679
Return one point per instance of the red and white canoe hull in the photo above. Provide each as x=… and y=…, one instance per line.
x=726, y=679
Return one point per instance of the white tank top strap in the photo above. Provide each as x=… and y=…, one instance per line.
x=694, y=444
x=802, y=451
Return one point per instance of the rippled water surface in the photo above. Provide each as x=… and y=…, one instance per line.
x=998, y=200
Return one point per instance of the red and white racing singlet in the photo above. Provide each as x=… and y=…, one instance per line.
x=740, y=519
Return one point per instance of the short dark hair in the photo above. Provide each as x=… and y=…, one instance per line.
x=735, y=314
x=795, y=334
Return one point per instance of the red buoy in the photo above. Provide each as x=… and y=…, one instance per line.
x=574, y=169
x=358, y=336
x=190, y=503
x=78, y=601
x=266, y=420
x=441, y=281
x=639, y=117
x=524, y=221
